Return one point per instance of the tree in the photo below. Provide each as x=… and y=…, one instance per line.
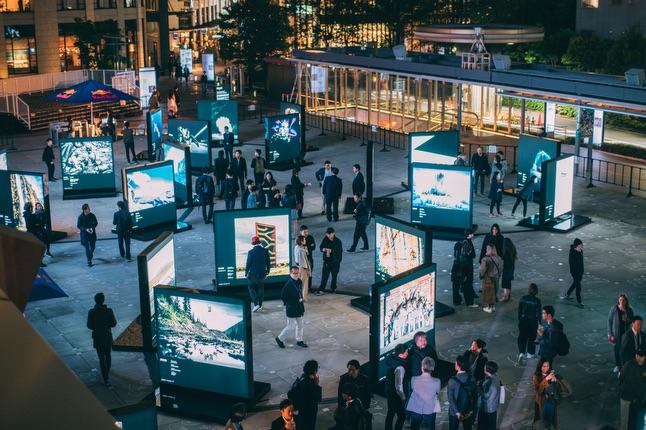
x=339, y=21
x=585, y=51
x=629, y=51
x=251, y=31
x=400, y=16
x=98, y=42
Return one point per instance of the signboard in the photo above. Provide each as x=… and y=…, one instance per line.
x=147, y=84
x=207, y=66
x=318, y=79
x=597, y=127
x=550, y=117
x=186, y=59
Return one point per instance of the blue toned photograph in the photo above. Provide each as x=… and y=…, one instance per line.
x=532, y=152
x=441, y=189
x=283, y=138
x=192, y=133
x=150, y=188
x=221, y=114
x=177, y=155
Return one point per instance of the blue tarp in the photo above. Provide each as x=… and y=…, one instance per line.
x=90, y=92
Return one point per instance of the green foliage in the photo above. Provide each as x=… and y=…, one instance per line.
x=566, y=110
x=339, y=21
x=629, y=51
x=251, y=31
x=632, y=123
x=98, y=42
x=530, y=105
x=586, y=51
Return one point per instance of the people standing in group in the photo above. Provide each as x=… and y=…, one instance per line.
x=299, y=190
x=302, y=259
x=321, y=174
x=359, y=380
x=633, y=340
x=491, y=267
x=101, y=320
x=227, y=143
x=292, y=298
x=287, y=418
x=205, y=189
x=268, y=187
x=462, y=270
x=576, y=270
x=123, y=225
x=529, y=319
x=362, y=219
x=548, y=388
x=332, y=249
x=230, y=191
x=308, y=395
x=248, y=190
x=221, y=167
x=171, y=104
x=256, y=270
x=498, y=167
x=526, y=194
x=87, y=223
x=491, y=389
x=495, y=237
x=476, y=359
x=480, y=166
x=632, y=392
x=239, y=168
x=358, y=183
x=418, y=352
x=204, y=82
x=619, y=321
x=332, y=190
x=462, y=393
x=424, y=402
x=310, y=244
x=495, y=194
x=48, y=158
x=396, y=386
x=509, y=257
x=549, y=334
x=238, y=414
x=258, y=165
x=129, y=142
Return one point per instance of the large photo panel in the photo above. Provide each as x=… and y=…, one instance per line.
x=283, y=138
x=434, y=147
x=154, y=132
x=233, y=233
x=181, y=167
x=87, y=167
x=150, y=192
x=532, y=152
x=441, y=196
x=16, y=189
x=399, y=247
x=204, y=341
x=221, y=114
x=558, y=187
x=195, y=134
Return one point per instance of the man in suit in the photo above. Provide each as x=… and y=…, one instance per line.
x=633, y=340
x=227, y=142
x=362, y=219
x=332, y=250
x=287, y=419
x=239, y=168
x=358, y=184
x=123, y=225
x=332, y=190
x=48, y=159
x=256, y=270
x=321, y=174
x=100, y=320
x=205, y=188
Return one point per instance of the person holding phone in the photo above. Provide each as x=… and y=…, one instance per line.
x=87, y=223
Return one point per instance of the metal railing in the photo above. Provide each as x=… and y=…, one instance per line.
x=22, y=111
x=51, y=81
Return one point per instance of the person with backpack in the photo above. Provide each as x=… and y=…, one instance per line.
x=491, y=388
x=552, y=340
x=351, y=415
x=462, y=270
x=205, y=188
x=424, y=403
x=462, y=392
x=258, y=164
x=529, y=318
x=476, y=359
x=396, y=387
x=306, y=393
x=548, y=389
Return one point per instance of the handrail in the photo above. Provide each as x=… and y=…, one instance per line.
x=22, y=111
x=51, y=81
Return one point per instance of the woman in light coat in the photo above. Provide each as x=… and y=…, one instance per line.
x=619, y=320
x=301, y=255
x=490, y=271
x=424, y=404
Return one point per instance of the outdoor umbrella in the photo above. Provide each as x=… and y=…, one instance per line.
x=89, y=92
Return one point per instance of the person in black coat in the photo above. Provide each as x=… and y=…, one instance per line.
x=418, y=352
x=310, y=244
x=633, y=340
x=576, y=270
x=230, y=191
x=494, y=237
x=258, y=165
x=239, y=168
x=332, y=250
x=362, y=219
x=227, y=143
x=310, y=394
x=87, y=223
x=299, y=190
x=121, y=219
x=205, y=189
x=256, y=270
x=480, y=166
x=525, y=195
x=495, y=194
x=529, y=317
x=332, y=190
x=41, y=229
x=358, y=184
x=30, y=224
x=292, y=297
x=129, y=142
x=48, y=159
x=359, y=380
x=221, y=167
x=476, y=358
x=287, y=419
x=101, y=320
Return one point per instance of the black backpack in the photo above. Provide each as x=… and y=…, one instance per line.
x=467, y=400
x=295, y=393
x=562, y=344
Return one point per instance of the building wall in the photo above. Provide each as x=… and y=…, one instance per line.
x=610, y=18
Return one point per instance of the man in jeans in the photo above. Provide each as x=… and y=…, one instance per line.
x=480, y=166
x=256, y=271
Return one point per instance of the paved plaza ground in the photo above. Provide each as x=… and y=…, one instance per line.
x=337, y=332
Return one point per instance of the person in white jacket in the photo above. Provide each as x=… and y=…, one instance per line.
x=302, y=260
x=424, y=403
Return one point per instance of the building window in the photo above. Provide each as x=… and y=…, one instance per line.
x=129, y=3
x=590, y=4
x=71, y=4
x=20, y=45
x=68, y=53
x=15, y=5
x=105, y=4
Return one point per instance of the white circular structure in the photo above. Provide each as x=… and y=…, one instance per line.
x=467, y=33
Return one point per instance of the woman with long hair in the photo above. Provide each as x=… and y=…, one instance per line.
x=495, y=194
x=509, y=257
x=268, y=188
x=548, y=390
x=619, y=319
x=490, y=269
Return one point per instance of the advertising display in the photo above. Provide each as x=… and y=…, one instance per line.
x=3, y=160
x=186, y=59
x=532, y=151
x=150, y=192
x=441, y=195
x=282, y=138
x=597, y=128
x=147, y=84
x=439, y=147
x=558, y=187
x=154, y=132
x=318, y=79
x=221, y=114
x=207, y=66
x=233, y=233
x=196, y=135
x=16, y=189
x=180, y=155
x=401, y=307
x=204, y=341
x=399, y=247
x=87, y=167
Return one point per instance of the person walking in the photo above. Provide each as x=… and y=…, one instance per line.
x=619, y=321
x=491, y=267
x=633, y=340
x=292, y=298
x=123, y=225
x=230, y=191
x=495, y=194
x=632, y=392
x=549, y=334
x=332, y=249
x=362, y=219
x=205, y=188
x=100, y=319
x=40, y=227
x=256, y=270
x=239, y=168
x=359, y=380
x=476, y=359
x=332, y=190
x=48, y=158
x=299, y=190
x=480, y=166
x=308, y=393
x=494, y=237
x=358, y=183
x=227, y=143
x=491, y=387
x=509, y=257
x=321, y=174
x=87, y=223
x=526, y=194
x=576, y=270
x=129, y=142
x=204, y=82
x=287, y=418
x=301, y=257
x=424, y=402
x=549, y=388
x=396, y=387
x=529, y=319
x=462, y=393
x=258, y=165
x=221, y=167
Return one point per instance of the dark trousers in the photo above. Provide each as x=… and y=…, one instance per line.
x=482, y=178
x=124, y=239
x=395, y=407
x=228, y=152
x=359, y=232
x=576, y=285
x=454, y=423
x=332, y=209
x=130, y=149
x=416, y=421
x=487, y=421
x=329, y=268
x=105, y=360
x=457, y=298
x=207, y=201
x=467, y=291
x=299, y=201
x=230, y=204
x=495, y=203
x=90, y=245
x=241, y=182
x=257, y=291
x=519, y=201
x=50, y=171
x=527, y=336
x=258, y=178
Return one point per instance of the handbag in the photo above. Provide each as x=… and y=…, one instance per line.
x=438, y=407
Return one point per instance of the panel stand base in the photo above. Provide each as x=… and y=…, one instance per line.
x=452, y=234
x=564, y=224
x=151, y=233
x=363, y=303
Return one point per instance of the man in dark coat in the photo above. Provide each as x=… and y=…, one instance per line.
x=332, y=190
x=359, y=380
x=258, y=165
x=100, y=320
x=123, y=225
x=30, y=224
x=633, y=340
x=529, y=318
x=48, y=159
x=332, y=250
x=221, y=167
x=362, y=219
x=418, y=352
x=86, y=223
x=358, y=184
x=396, y=386
x=292, y=297
x=476, y=359
x=549, y=334
x=351, y=414
x=205, y=189
x=576, y=270
x=227, y=143
x=256, y=270
x=480, y=166
x=129, y=142
x=239, y=168
x=309, y=396
x=321, y=174
x=230, y=191
x=287, y=419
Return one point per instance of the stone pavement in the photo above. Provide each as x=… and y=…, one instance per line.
x=336, y=332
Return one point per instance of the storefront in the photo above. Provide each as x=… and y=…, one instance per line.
x=20, y=44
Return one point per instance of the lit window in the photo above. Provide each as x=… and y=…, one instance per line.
x=590, y=4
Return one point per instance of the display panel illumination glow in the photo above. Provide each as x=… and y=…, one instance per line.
x=150, y=191
x=398, y=248
x=87, y=164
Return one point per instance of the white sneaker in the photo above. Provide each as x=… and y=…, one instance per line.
x=615, y=370
x=487, y=310
x=259, y=308
x=520, y=357
x=255, y=308
x=529, y=356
